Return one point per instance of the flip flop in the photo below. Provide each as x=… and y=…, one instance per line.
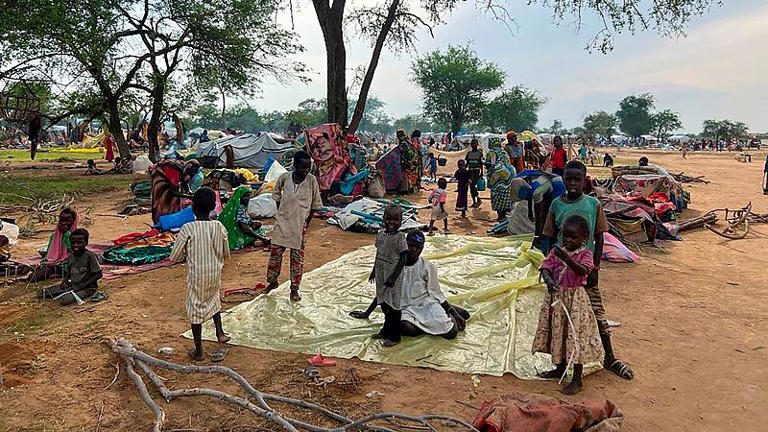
x=321, y=361
x=99, y=296
x=219, y=355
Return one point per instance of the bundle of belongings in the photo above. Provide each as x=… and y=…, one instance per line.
x=650, y=181
x=140, y=248
x=520, y=412
x=367, y=216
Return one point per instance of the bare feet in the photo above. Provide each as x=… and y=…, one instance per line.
x=271, y=287
x=196, y=355
x=223, y=338
x=358, y=314
x=572, y=388
x=295, y=297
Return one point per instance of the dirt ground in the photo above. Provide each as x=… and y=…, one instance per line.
x=694, y=328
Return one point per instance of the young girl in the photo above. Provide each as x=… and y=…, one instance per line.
x=438, y=198
x=432, y=167
x=203, y=245
x=391, y=254
x=59, y=247
x=463, y=177
x=567, y=327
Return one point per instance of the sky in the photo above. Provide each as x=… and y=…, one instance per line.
x=719, y=70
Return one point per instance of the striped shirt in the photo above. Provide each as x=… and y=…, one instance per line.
x=203, y=245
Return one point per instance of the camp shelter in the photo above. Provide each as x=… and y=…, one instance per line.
x=462, y=142
x=250, y=150
x=390, y=168
x=328, y=147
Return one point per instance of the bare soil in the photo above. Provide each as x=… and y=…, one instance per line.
x=694, y=327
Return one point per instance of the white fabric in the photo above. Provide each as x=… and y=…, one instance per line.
x=11, y=231
x=296, y=202
x=263, y=206
x=141, y=164
x=422, y=299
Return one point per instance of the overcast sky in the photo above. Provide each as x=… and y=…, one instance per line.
x=720, y=70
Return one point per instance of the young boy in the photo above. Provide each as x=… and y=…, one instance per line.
x=247, y=225
x=387, y=273
x=203, y=245
x=297, y=195
x=432, y=167
x=437, y=198
x=575, y=202
x=81, y=274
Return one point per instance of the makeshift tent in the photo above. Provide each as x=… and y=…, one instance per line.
x=496, y=280
x=462, y=142
x=250, y=150
x=328, y=148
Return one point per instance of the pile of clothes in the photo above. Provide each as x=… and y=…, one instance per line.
x=140, y=248
x=367, y=216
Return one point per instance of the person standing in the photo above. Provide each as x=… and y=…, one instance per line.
x=501, y=172
x=765, y=177
x=109, y=145
x=406, y=163
x=559, y=156
x=474, y=160
x=516, y=151
x=297, y=195
x=418, y=158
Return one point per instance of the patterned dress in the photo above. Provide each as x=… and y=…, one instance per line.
x=203, y=245
x=389, y=246
x=555, y=334
x=500, y=175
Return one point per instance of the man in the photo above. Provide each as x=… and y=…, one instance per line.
x=576, y=202
x=474, y=160
x=297, y=195
x=765, y=177
x=516, y=152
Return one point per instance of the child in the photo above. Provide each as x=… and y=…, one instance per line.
x=432, y=167
x=247, y=225
x=567, y=328
x=203, y=245
x=607, y=160
x=391, y=254
x=59, y=247
x=464, y=178
x=92, y=170
x=81, y=274
x=297, y=195
x=576, y=202
x=437, y=199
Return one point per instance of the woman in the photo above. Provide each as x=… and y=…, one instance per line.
x=59, y=247
x=406, y=163
x=109, y=145
x=500, y=175
x=193, y=175
x=167, y=179
x=418, y=159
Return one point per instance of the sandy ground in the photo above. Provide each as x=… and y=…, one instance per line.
x=694, y=328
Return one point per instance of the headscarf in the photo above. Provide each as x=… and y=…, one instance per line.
x=228, y=217
x=58, y=244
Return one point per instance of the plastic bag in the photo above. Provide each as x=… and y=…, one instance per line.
x=376, y=187
x=141, y=164
x=176, y=220
x=481, y=184
x=262, y=206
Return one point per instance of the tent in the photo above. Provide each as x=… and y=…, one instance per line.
x=328, y=148
x=250, y=150
x=679, y=138
x=462, y=142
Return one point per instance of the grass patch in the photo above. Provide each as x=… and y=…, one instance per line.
x=15, y=189
x=47, y=155
x=28, y=324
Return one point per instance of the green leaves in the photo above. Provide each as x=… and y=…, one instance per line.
x=634, y=114
x=600, y=123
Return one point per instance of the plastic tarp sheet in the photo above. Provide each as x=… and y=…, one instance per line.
x=250, y=150
x=391, y=169
x=496, y=280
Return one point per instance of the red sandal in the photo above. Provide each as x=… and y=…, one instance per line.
x=320, y=360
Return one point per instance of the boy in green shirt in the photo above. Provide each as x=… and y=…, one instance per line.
x=81, y=274
x=575, y=202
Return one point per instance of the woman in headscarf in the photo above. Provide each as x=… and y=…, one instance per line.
x=407, y=155
x=500, y=174
x=418, y=159
x=193, y=175
x=167, y=179
x=57, y=252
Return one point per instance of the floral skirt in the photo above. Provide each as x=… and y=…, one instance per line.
x=557, y=337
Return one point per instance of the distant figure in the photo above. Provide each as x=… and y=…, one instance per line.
x=464, y=178
x=109, y=146
x=437, y=199
x=607, y=160
x=474, y=159
x=684, y=150
x=92, y=170
x=765, y=177
x=204, y=136
x=559, y=156
x=643, y=162
x=432, y=167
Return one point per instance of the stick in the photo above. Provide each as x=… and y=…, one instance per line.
x=467, y=405
x=144, y=394
x=98, y=421
x=117, y=373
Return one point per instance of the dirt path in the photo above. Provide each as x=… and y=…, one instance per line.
x=694, y=328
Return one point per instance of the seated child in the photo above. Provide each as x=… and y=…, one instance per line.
x=203, y=245
x=92, y=170
x=247, y=225
x=81, y=274
x=567, y=327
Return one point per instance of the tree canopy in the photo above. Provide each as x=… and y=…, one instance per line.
x=723, y=129
x=634, y=114
x=600, y=123
x=455, y=85
x=514, y=109
x=664, y=122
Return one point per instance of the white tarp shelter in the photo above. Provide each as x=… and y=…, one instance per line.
x=250, y=150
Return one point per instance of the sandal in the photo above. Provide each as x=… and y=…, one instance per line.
x=320, y=360
x=621, y=370
x=219, y=355
x=99, y=296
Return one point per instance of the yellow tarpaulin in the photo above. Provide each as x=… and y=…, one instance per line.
x=496, y=280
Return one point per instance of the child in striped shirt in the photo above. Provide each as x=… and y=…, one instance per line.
x=203, y=245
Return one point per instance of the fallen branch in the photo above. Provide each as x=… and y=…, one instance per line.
x=117, y=373
x=131, y=356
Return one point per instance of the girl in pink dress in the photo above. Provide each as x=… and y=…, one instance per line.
x=567, y=327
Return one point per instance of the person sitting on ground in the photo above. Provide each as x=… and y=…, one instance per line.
x=425, y=308
x=81, y=274
x=203, y=245
x=607, y=160
x=92, y=170
x=59, y=247
x=241, y=229
x=643, y=162
x=567, y=331
x=437, y=199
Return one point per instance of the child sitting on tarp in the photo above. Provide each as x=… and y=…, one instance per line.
x=81, y=274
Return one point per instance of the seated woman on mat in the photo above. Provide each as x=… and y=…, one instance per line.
x=241, y=229
x=59, y=248
x=425, y=310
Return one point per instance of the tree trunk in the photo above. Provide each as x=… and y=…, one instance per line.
x=331, y=19
x=223, y=110
x=357, y=116
x=116, y=129
x=153, y=129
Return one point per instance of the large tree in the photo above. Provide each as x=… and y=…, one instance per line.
x=514, y=109
x=394, y=23
x=723, y=129
x=455, y=84
x=600, y=123
x=664, y=122
x=634, y=114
